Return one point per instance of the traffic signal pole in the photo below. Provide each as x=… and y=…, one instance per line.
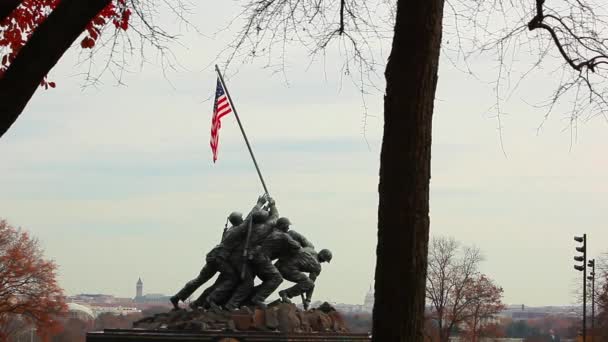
x=591, y=277
x=583, y=268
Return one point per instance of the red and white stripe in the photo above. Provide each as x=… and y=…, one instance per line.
x=222, y=108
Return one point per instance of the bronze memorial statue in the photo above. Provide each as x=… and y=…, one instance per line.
x=262, y=246
x=247, y=250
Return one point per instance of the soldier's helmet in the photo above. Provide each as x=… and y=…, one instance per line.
x=325, y=255
x=260, y=216
x=283, y=224
x=235, y=218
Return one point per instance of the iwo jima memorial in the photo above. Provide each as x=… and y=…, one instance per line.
x=233, y=308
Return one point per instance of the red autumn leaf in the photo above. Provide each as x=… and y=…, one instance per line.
x=98, y=21
x=18, y=27
x=87, y=43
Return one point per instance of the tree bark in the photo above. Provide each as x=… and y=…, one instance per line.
x=7, y=7
x=42, y=51
x=403, y=213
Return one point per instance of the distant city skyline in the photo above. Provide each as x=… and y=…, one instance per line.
x=367, y=299
x=109, y=303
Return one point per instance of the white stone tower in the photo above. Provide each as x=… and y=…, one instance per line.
x=139, y=289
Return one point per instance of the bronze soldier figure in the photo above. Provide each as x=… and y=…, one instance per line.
x=278, y=244
x=293, y=268
x=284, y=224
x=217, y=260
x=247, y=250
x=268, y=243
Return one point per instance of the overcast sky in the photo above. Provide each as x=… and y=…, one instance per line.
x=118, y=182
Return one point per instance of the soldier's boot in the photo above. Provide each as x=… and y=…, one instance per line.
x=175, y=302
x=231, y=307
x=258, y=303
x=211, y=306
x=195, y=305
x=284, y=297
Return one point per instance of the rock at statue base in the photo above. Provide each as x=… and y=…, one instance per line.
x=283, y=317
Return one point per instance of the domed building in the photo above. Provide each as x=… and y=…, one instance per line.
x=80, y=312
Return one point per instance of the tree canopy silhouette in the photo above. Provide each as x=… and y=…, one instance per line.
x=28, y=286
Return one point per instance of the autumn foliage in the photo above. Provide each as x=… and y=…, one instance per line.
x=484, y=301
x=28, y=289
x=17, y=28
x=459, y=296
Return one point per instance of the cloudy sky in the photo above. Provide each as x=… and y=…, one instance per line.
x=117, y=182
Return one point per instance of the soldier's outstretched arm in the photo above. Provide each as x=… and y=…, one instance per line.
x=258, y=206
x=314, y=275
x=301, y=239
x=274, y=212
x=292, y=244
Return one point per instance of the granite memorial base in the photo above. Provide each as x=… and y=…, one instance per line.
x=277, y=322
x=136, y=335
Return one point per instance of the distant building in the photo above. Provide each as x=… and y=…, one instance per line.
x=151, y=298
x=139, y=288
x=526, y=315
x=92, y=298
x=114, y=310
x=81, y=312
x=344, y=308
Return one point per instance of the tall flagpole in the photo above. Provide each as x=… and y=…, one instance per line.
x=257, y=168
x=219, y=74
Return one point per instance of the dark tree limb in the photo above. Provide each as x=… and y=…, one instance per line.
x=342, y=5
x=590, y=63
x=7, y=7
x=46, y=46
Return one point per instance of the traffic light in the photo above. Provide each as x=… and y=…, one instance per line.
x=591, y=264
x=581, y=249
x=582, y=267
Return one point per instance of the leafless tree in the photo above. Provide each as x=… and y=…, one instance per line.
x=116, y=47
x=451, y=270
x=601, y=271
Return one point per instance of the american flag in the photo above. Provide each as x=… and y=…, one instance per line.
x=221, y=107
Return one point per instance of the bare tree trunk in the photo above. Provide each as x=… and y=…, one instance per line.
x=42, y=51
x=7, y=7
x=403, y=213
x=444, y=336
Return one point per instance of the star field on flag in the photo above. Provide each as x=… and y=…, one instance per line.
x=221, y=108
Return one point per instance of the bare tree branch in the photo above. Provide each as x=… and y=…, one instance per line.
x=48, y=43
